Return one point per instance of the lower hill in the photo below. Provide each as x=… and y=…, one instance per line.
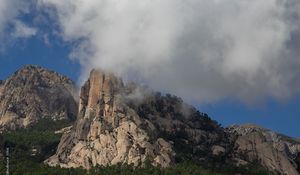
x=33, y=93
x=274, y=151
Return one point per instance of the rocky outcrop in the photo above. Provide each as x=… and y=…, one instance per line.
x=33, y=93
x=108, y=131
x=195, y=136
x=274, y=151
x=129, y=124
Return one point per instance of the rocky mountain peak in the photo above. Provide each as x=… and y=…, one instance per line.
x=113, y=128
x=31, y=75
x=107, y=130
x=33, y=93
x=99, y=88
x=274, y=151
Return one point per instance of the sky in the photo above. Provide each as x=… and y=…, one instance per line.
x=236, y=60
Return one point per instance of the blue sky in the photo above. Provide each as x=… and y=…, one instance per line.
x=35, y=51
x=190, y=66
x=280, y=117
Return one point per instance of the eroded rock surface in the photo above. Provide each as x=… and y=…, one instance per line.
x=107, y=131
x=274, y=151
x=33, y=93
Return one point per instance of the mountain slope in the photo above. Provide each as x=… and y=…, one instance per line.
x=274, y=151
x=129, y=124
x=33, y=93
x=114, y=126
x=107, y=131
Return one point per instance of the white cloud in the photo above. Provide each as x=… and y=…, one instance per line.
x=11, y=27
x=206, y=50
x=22, y=30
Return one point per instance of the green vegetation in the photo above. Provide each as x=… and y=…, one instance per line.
x=187, y=168
x=41, y=138
x=297, y=160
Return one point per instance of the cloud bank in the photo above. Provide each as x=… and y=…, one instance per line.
x=204, y=50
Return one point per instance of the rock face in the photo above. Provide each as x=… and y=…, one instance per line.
x=193, y=134
x=120, y=123
x=33, y=93
x=108, y=131
x=129, y=124
x=274, y=151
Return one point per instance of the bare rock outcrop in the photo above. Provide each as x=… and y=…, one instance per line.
x=274, y=151
x=33, y=93
x=108, y=131
x=129, y=124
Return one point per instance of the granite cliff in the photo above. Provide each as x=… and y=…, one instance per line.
x=33, y=93
x=129, y=124
x=115, y=126
x=274, y=151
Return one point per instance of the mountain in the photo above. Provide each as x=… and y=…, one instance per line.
x=33, y=93
x=274, y=151
x=115, y=124
x=129, y=124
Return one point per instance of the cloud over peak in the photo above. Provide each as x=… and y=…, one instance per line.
x=204, y=50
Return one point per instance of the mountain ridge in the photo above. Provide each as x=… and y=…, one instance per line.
x=124, y=123
x=189, y=134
